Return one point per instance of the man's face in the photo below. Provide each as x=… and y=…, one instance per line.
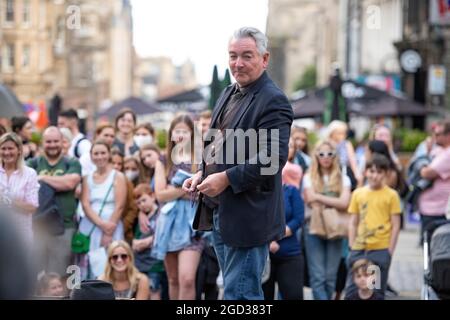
x=64, y=122
x=52, y=144
x=246, y=63
x=442, y=139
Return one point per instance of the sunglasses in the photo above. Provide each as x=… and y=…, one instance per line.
x=326, y=154
x=122, y=256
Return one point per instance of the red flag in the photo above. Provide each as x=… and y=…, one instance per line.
x=42, y=121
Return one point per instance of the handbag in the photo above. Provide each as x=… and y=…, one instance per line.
x=335, y=223
x=82, y=242
x=329, y=223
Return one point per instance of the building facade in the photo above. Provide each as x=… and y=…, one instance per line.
x=80, y=49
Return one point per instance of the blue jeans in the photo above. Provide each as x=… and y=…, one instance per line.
x=242, y=268
x=323, y=257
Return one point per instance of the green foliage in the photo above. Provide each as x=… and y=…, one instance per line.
x=308, y=80
x=409, y=139
x=215, y=87
x=313, y=138
x=161, y=139
x=36, y=138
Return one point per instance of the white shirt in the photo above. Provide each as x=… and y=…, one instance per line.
x=24, y=186
x=83, y=147
x=87, y=166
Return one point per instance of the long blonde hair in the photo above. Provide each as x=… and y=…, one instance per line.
x=316, y=174
x=133, y=273
x=14, y=138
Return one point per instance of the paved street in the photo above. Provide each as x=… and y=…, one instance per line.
x=406, y=271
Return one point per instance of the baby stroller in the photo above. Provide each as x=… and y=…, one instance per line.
x=436, y=255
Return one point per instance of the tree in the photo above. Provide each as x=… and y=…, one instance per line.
x=226, y=79
x=215, y=88
x=308, y=80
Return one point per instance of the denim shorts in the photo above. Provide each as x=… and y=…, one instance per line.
x=155, y=281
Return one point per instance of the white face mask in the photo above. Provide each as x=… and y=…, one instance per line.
x=131, y=175
x=143, y=140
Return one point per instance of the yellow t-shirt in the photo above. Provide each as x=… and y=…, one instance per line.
x=375, y=208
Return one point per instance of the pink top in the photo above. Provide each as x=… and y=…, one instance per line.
x=22, y=185
x=433, y=201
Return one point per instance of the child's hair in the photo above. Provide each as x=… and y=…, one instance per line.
x=44, y=282
x=148, y=173
x=102, y=126
x=207, y=114
x=361, y=265
x=303, y=130
x=147, y=126
x=142, y=189
x=378, y=161
x=187, y=120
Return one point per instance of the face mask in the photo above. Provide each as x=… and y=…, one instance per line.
x=131, y=175
x=142, y=140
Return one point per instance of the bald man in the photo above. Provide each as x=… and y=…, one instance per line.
x=63, y=174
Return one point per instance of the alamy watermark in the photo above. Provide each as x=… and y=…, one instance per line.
x=235, y=147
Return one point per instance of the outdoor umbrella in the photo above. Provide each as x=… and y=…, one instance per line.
x=360, y=100
x=394, y=107
x=139, y=107
x=10, y=106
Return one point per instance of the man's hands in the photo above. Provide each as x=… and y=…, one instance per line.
x=190, y=185
x=212, y=186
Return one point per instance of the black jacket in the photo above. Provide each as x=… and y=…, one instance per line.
x=251, y=209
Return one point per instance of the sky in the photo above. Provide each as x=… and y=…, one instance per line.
x=198, y=30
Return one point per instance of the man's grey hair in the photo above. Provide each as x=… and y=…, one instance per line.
x=250, y=32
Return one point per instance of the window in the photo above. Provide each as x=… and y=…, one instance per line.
x=9, y=11
x=26, y=56
x=8, y=57
x=26, y=12
x=42, y=58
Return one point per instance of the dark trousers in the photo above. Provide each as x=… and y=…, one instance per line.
x=288, y=272
x=207, y=273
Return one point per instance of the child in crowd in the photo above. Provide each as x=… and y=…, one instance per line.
x=144, y=237
x=375, y=222
x=51, y=285
x=363, y=272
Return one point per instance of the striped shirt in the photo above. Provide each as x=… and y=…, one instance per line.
x=22, y=185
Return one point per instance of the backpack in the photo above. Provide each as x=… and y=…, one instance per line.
x=416, y=183
x=48, y=218
x=76, y=153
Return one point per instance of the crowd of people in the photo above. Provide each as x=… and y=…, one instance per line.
x=116, y=189
x=159, y=224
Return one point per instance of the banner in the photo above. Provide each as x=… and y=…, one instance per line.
x=440, y=12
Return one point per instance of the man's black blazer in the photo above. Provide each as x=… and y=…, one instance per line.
x=251, y=209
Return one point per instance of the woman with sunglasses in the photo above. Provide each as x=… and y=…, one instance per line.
x=324, y=185
x=120, y=271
